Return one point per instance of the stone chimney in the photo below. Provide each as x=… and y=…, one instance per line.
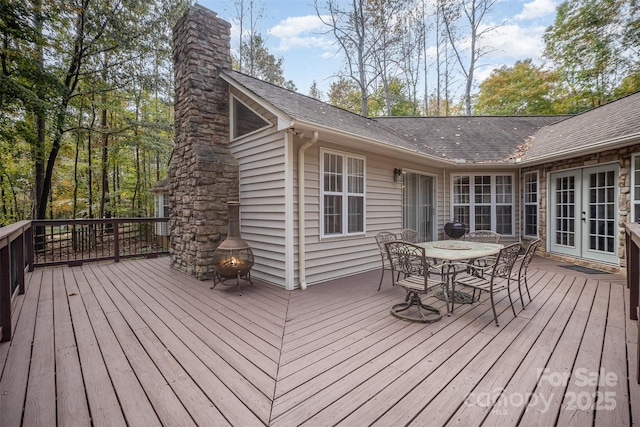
x=203, y=173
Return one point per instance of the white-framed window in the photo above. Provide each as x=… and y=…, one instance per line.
x=531, y=194
x=483, y=201
x=635, y=185
x=342, y=194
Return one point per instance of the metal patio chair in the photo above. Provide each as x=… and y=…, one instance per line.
x=496, y=277
x=382, y=238
x=409, y=235
x=404, y=257
x=524, y=261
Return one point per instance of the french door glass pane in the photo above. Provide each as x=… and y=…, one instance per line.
x=565, y=211
x=602, y=211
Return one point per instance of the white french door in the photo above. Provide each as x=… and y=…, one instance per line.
x=417, y=204
x=583, y=214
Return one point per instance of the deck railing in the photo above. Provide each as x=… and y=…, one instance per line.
x=633, y=278
x=28, y=244
x=15, y=250
x=74, y=242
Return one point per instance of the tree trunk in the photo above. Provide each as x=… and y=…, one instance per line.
x=39, y=147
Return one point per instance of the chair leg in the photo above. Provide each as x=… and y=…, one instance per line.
x=526, y=286
x=381, y=277
x=520, y=292
x=509, y=295
x=493, y=307
x=453, y=292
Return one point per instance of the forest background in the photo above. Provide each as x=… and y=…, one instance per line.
x=86, y=86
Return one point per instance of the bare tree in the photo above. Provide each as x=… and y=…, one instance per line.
x=368, y=33
x=389, y=32
x=245, y=42
x=467, y=15
x=349, y=27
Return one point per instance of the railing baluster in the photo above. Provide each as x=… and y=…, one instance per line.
x=116, y=241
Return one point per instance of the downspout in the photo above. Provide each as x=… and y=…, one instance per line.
x=301, y=219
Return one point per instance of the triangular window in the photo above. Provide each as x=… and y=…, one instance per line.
x=245, y=120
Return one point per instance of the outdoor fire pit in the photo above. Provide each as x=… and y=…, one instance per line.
x=233, y=258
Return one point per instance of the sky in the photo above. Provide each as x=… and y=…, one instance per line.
x=294, y=32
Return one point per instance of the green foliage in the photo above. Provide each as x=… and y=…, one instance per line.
x=523, y=89
x=585, y=43
x=398, y=99
x=314, y=92
x=97, y=75
x=344, y=93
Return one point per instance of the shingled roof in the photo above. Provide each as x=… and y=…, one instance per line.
x=596, y=129
x=471, y=139
x=474, y=139
x=312, y=111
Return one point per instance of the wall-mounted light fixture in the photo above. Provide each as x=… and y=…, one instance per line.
x=397, y=175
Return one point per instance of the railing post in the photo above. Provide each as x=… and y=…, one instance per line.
x=116, y=241
x=5, y=292
x=28, y=238
x=20, y=263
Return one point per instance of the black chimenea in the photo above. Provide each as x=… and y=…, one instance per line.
x=233, y=258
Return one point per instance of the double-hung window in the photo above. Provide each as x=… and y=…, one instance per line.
x=484, y=202
x=531, y=204
x=343, y=190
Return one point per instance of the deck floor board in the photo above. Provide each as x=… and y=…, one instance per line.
x=139, y=343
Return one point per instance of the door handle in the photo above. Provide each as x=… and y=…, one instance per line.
x=583, y=216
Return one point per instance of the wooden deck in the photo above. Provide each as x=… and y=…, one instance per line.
x=138, y=343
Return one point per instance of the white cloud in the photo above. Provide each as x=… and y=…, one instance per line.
x=537, y=9
x=300, y=32
x=515, y=41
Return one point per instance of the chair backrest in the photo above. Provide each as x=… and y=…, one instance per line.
x=382, y=238
x=528, y=256
x=505, y=260
x=406, y=258
x=409, y=235
x=485, y=236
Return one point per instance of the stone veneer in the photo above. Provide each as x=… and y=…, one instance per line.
x=203, y=173
x=623, y=157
